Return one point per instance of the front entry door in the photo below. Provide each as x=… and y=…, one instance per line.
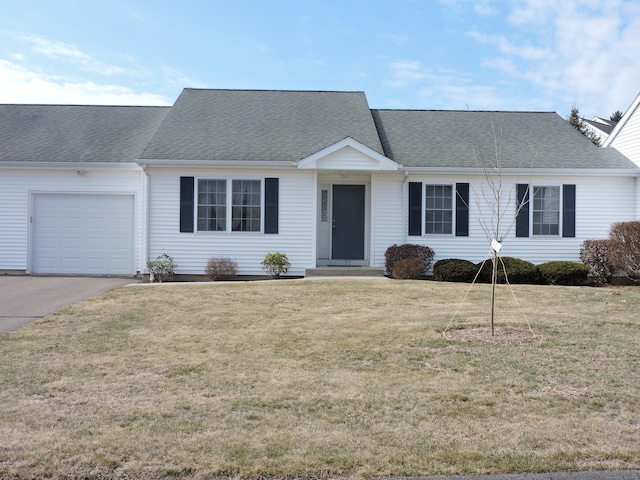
x=347, y=238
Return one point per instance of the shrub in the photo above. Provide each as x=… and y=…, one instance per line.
x=162, y=268
x=396, y=253
x=595, y=255
x=454, y=270
x=518, y=271
x=275, y=264
x=408, y=269
x=624, y=248
x=563, y=273
x=221, y=269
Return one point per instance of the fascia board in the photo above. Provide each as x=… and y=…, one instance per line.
x=214, y=163
x=572, y=172
x=71, y=165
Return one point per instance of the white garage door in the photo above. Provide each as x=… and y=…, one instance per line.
x=82, y=234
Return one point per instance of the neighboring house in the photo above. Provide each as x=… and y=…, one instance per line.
x=600, y=128
x=316, y=175
x=625, y=138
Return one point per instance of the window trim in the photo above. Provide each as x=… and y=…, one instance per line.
x=229, y=204
x=533, y=211
x=452, y=209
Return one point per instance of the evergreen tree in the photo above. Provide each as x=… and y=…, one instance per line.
x=576, y=122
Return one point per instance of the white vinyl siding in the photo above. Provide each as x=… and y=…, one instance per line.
x=191, y=251
x=18, y=186
x=599, y=202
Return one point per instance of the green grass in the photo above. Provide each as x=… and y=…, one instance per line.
x=322, y=378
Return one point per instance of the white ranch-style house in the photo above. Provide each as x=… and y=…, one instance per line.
x=318, y=175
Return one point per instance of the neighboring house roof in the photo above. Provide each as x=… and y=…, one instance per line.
x=605, y=128
x=76, y=133
x=260, y=125
x=450, y=139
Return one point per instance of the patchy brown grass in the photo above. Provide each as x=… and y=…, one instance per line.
x=322, y=378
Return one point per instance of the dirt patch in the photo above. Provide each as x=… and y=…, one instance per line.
x=502, y=335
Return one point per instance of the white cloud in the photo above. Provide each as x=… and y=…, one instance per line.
x=405, y=73
x=582, y=52
x=21, y=85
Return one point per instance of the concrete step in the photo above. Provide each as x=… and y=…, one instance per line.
x=344, y=272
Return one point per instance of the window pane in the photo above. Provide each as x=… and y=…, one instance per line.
x=212, y=208
x=246, y=209
x=438, y=210
x=546, y=210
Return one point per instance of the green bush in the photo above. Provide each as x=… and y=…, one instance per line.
x=454, y=270
x=162, y=268
x=408, y=269
x=563, y=273
x=595, y=255
x=275, y=264
x=395, y=253
x=518, y=271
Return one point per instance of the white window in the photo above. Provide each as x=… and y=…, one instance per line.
x=242, y=204
x=546, y=210
x=212, y=205
x=438, y=209
x=246, y=206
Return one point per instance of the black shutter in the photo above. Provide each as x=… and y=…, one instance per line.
x=271, y=199
x=186, y=204
x=415, y=208
x=462, y=209
x=522, y=216
x=568, y=210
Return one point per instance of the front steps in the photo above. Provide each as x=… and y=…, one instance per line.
x=344, y=272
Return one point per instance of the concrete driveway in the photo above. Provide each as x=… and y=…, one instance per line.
x=24, y=299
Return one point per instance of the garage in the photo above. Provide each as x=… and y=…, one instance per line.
x=82, y=234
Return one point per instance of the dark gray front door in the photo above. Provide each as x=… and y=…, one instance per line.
x=347, y=239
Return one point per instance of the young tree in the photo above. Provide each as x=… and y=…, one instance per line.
x=577, y=122
x=497, y=206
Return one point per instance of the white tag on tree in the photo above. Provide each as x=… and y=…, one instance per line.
x=496, y=245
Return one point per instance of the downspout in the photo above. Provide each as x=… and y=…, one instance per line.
x=145, y=218
x=405, y=207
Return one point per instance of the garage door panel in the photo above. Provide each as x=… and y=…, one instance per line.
x=76, y=234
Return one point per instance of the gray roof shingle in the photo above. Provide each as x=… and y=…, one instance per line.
x=76, y=133
x=430, y=138
x=260, y=125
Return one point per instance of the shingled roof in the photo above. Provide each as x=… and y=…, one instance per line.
x=76, y=133
x=447, y=139
x=260, y=125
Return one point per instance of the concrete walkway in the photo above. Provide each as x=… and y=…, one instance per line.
x=25, y=299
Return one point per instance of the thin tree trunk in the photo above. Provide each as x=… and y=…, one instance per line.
x=494, y=278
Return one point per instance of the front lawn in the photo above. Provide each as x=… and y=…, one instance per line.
x=323, y=378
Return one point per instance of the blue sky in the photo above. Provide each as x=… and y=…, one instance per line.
x=419, y=54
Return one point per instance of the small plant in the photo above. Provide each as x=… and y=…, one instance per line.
x=563, y=273
x=595, y=255
x=518, y=271
x=395, y=253
x=162, y=268
x=221, y=269
x=408, y=269
x=454, y=270
x=275, y=264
